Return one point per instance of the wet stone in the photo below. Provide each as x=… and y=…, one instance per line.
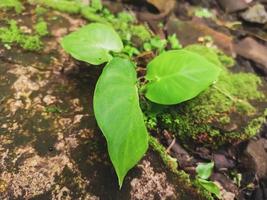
x=255, y=14
x=233, y=6
x=255, y=158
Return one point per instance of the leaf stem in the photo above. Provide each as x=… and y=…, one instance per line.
x=227, y=94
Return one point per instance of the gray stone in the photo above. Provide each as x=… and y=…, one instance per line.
x=255, y=158
x=255, y=14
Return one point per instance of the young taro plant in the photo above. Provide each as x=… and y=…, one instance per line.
x=204, y=171
x=172, y=77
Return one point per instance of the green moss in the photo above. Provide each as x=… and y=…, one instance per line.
x=221, y=114
x=227, y=61
x=124, y=23
x=71, y=7
x=41, y=28
x=168, y=160
x=31, y=43
x=89, y=14
x=141, y=32
x=184, y=179
x=13, y=35
x=11, y=4
x=39, y=10
x=96, y=4
x=255, y=125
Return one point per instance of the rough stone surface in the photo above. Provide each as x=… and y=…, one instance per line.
x=150, y=181
x=255, y=158
x=255, y=14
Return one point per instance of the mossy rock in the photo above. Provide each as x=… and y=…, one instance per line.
x=230, y=111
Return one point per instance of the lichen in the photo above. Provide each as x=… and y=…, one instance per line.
x=13, y=35
x=222, y=114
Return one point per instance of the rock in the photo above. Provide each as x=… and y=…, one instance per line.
x=149, y=182
x=233, y=6
x=225, y=194
x=255, y=158
x=252, y=50
x=162, y=5
x=222, y=162
x=255, y=14
x=49, y=99
x=189, y=32
x=230, y=189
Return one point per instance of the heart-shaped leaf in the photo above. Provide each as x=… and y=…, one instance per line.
x=178, y=75
x=118, y=114
x=92, y=43
x=210, y=187
x=204, y=170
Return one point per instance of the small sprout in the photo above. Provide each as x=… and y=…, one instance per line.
x=130, y=50
x=174, y=42
x=204, y=171
x=155, y=44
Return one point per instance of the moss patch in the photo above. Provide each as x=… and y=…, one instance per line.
x=184, y=179
x=11, y=4
x=222, y=114
x=132, y=34
x=71, y=7
x=14, y=35
x=41, y=28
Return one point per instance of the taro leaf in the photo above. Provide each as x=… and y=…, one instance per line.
x=117, y=111
x=92, y=43
x=210, y=186
x=179, y=75
x=204, y=170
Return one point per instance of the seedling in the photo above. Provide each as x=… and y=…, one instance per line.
x=204, y=171
x=172, y=77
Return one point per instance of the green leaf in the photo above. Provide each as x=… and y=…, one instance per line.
x=117, y=111
x=210, y=187
x=178, y=75
x=92, y=43
x=204, y=170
